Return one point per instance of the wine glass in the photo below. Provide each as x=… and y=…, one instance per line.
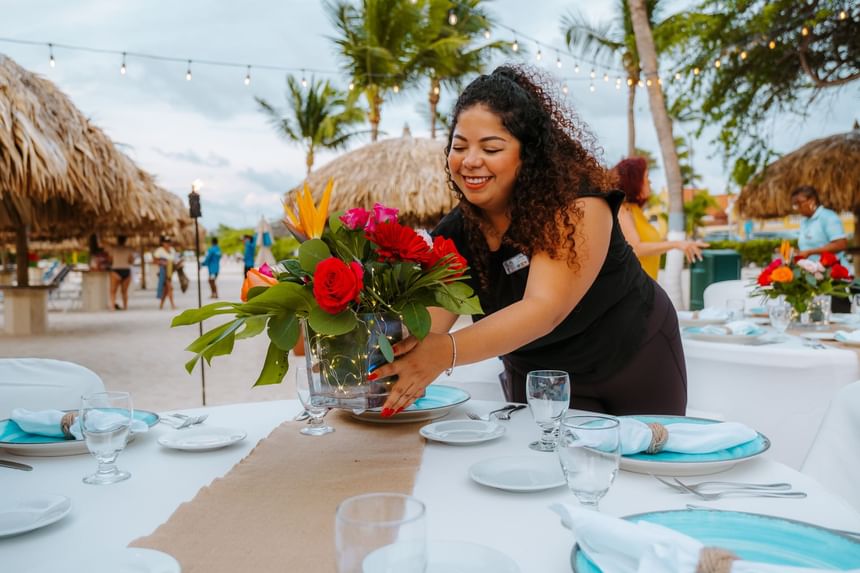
x=381, y=533
x=780, y=316
x=314, y=404
x=589, y=450
x=735, y=308
x=548, y=393
x=105, y=419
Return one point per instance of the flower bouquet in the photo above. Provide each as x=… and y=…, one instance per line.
x=354, y=284
x=800, y=280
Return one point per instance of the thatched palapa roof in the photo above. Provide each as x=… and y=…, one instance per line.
x=405, y=172
x=830, y=164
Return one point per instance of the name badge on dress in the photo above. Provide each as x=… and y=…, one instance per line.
x=515, y=263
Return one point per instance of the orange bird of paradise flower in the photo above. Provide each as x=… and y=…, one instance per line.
x=308, y=220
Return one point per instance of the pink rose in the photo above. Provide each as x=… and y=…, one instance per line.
x=355, y=219
x=267, y=270
x=381, y=214
x=810, y=266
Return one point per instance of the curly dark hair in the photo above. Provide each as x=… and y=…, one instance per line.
x=559, y=161
x=630, y=174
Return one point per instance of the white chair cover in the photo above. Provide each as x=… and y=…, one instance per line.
x=42, y=383
x=716, y=294
x=834, y=459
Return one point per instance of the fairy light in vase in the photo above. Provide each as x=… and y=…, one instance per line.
x=122, y=69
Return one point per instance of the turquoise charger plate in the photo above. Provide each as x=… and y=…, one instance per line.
x=752, y=537
x=673, y=463
x=438, y=400
x=14, y=439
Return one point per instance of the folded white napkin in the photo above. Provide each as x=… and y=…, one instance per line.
x=620, y=546
x=712, y=313
x=736, y=327
x=47, y=422
x=685, y=438
x=846, y=336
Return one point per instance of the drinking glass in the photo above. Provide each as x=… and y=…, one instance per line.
x=381, y=533
x=735, y=308
x=314, y=404
x=548, y=393
x=855, y=305
x=105, y=419
x=589, y=450
x=780, y=316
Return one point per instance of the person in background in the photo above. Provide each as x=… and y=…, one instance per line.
x=165, y=257
x=632, y=177
x=561, y=288
x=121, y=258
x=250, y=248
x=99, y=260
x=821, y=229
x=212, y=262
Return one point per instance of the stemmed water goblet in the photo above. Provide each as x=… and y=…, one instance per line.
x=780, y=317
x=105, y=421
x=548, y=394
x=314, y=404
x=589, y=450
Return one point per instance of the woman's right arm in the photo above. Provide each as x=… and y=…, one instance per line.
x=692, y=249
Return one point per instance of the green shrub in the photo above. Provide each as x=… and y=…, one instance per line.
x=285, y=248
x=757, y=251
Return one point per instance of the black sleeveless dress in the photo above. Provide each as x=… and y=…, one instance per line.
x=621, y=344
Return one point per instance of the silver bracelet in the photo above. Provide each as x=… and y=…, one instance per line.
x=450, y=370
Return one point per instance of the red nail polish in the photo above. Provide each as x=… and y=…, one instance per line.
x=372, y=376
x=387, y=412
x=400, y=409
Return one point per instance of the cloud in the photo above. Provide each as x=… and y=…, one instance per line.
x=190, y=156
x=272, y=180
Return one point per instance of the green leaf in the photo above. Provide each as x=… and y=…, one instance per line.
x=274, y=367
x=253, y=292
x=334, y=222
x=284, y=331
x=279, y=299
x=385, y=348
x=210, y=344
x=311, y=253
x=254, y=325
x=195, y=315
x=417, y=319
x=325, y=323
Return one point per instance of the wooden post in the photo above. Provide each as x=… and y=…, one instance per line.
x=22, y=260
x=856, y=241
x=142, y=265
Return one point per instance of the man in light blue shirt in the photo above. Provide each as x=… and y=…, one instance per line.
x=821, y=229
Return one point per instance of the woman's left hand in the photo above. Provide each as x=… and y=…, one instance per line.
x=418, y=363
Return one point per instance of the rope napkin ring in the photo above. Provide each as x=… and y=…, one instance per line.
x=66, y=423
x=659, y=436
x=715, y=560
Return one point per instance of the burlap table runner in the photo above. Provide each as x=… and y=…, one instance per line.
x=274, y=511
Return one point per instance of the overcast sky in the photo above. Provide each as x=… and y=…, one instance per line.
x=210, y=128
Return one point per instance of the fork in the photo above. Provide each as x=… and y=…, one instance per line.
x=724, y=484
x=739, y=491
x=489, y=416
x=187, y=421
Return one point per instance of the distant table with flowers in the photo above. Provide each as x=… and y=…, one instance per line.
x=107, y=518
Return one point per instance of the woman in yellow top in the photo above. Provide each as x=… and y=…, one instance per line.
x=632, y=178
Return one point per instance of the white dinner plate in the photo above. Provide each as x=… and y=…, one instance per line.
x=133, y=560
x=691, y=318
x=23, y=515
x=519, y=473
x=819, y=335
x=448, y=557
x=462, y=432
x=201, y=438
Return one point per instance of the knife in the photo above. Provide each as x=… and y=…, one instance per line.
x=15, y=465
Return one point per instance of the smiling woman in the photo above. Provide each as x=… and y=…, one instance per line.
x=560, y=286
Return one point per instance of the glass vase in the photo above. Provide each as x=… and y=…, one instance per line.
x=817, y=313
x=345, y=360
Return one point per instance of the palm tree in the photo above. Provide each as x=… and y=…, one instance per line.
x=609, y=39
x=662, y=122
x=319, y=116
x=375, y=40
x=447, y=53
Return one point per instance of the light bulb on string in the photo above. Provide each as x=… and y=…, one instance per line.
x=591, y=87
x=396, y=88
x=605, y=77
x=843, y=14
x=696, y=71
x=677, y=75
x=659, y=81
x=557, y=61
x=248, y=76
x=304, y=81
x=771, y=44
x=564, y=89
x=351, y=86
x=51, y=61
x=629, y=82
x=576, y=68
x=804, y=31
x=743, y=54
x=539, y=55
x=452, y=17
x=592, y=74
x=486, y=34
x=515, y=46
x=640, y=83
x=188, y=72
x=718, y=63
x=435, y=90
x=122, y=69
x=648, y=82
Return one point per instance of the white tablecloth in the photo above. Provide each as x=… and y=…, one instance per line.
x=781, y=390
x=520, y=525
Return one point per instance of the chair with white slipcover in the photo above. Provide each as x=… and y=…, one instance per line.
x=716, y=294
x=834, y=458
x=43, y=383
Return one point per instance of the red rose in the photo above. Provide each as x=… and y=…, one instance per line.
x=773, y=264
x=443, y=247
x=837, y=271
x=337, y=284
x=394, y=243
x=764, y=278
x=828, y=259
